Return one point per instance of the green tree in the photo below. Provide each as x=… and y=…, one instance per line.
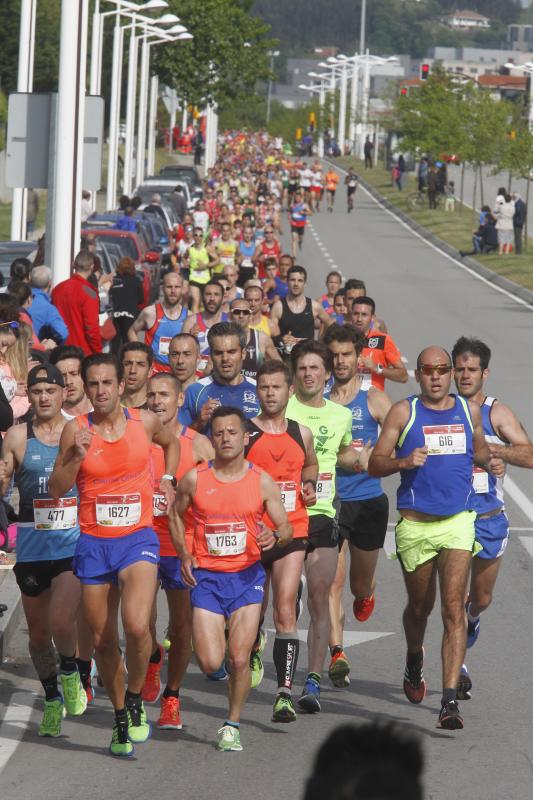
x=46, y=45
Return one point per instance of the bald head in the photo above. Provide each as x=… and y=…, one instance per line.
x=433, y=355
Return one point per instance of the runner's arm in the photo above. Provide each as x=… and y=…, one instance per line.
x=379, y=404
x=394, y=371
x=184, y=495
x=268, y=347
x=13, y=447
x=73, y=447
x=276, y=511
x=140, y=324
x=202, y=449
x=482, y=455
x=519, y=451
x=382, y=461
x=310, y=468
x=275, y=316
x=320, y=313
x=162, y=436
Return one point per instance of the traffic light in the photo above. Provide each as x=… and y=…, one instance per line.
x=404, y=91
x=424, y=72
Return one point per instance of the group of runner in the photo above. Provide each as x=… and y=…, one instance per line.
x=235, y=452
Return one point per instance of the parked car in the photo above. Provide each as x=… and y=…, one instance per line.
x=9, y=251
x=163, y=186
x=186, y=173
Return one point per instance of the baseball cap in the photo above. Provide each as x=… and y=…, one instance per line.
x=45, y=373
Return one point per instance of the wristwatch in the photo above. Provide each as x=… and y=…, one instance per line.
x=379, y=368
x=171, y=478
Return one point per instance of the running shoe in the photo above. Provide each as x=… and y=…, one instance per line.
x=450, y=718
x=90, y=690
x=257, y=669
x=310, y=698
x=299, y=601
x=54, y=711
x=464, y=686
x=120, y=744
x=283, y=709
x=263, y=636
x=139, y=729
x=73, y=692
x=229, y=738
x=414, y=684
x=339, y=669
x=473, y=632
x=220, y=675
x=363, y=607
x=170, y=715
x=151, y=690
x=166, y=641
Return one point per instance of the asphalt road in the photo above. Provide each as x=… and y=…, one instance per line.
x=425, y=298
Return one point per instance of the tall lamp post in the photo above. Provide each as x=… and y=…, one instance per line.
x=273, y=54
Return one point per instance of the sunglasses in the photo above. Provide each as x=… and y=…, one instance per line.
x=241, y=311
x=429, y=369
x=13, y=324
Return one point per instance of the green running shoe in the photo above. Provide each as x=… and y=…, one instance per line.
x=263, y=636
x=120, y=745
x=257, y=669
x=54, y=711
x=283, y=709
x=229, y=738
x=139, y=729
x=73, y=692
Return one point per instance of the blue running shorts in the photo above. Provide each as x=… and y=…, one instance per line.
x=170, y=573
x=225, y=592
x=492, y=534
x=98, y=560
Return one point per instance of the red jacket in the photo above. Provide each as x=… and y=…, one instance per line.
x=78, y=303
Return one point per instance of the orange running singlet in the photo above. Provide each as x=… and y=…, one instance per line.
x=115, y=481
x=187, y=462
x=226, y=519
x=282, y=456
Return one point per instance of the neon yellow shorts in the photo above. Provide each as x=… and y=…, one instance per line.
x=419, y=542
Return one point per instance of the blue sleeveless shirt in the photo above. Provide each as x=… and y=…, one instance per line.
x=488, y=490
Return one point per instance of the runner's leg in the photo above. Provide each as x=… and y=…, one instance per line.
x=138, y=583
x=242, y=631
x=320, y=568
x=453, y=567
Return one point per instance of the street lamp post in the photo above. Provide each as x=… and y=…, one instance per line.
x=321, y=91
x=273, y=54
x=528, y=69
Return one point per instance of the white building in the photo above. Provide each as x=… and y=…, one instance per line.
x=466, y=20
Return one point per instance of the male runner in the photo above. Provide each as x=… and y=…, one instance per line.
x=201, y=260
x=227, y=385
x=47, y=533
x=107, y=454
x=231, y=274
x=284, y=449
x=293, y=318
x=68, y=359
x=276, y=287
x=162, y=321
x=508, y=441
x=332, y=179
x=331, y=426
x=433, y=440
x=199, y=324
x=183, y=355
x=255, y=297
x=228, y=498
x=258, y=345
x=333, y=284
x=165, y=396
x=136, y=359
x=380, y=360
x=299, y=212
x=351, y=181
x=364, y=511
x=226, y=250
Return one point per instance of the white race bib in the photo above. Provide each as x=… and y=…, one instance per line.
x=226, y=538
x=481, y=481
x=324, y=486
x=55, y=515
x=445, y=440
x=357, y=444
x=164, y=345
x=202, y=364
x=288, y=495
x=159, y=505
x=118, y=510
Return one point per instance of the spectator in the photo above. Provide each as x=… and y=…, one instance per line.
x=179, y=202
x=504, y=213
x=9, y=327
x=485, y=238
x=154, y=207
x=432, y=185
x=126, y=222
x=126, y=297
x=20, y=270
x=519, y=220
x=86, y=207
x=368, y=150
x=78, y=303
x=449, y=203
x=369, y=762
x=422, y=174
x=400, y=173
x=46, y=319
x=17, y=358
x=198, y=145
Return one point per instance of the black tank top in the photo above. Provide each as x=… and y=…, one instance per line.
x=301, y=325
x=253, y=358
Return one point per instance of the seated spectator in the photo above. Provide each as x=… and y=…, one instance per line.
x=484, y=239
x=126, y=222
x=46, y=319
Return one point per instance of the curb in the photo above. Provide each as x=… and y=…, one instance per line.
x=9, y=596
x=493, y=277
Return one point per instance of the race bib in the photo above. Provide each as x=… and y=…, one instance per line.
x=55, y=515
x=246, y=262
x=480, y=481
x=164, y=345
x=225, y=538
x=118, y=510
x=324, y=486
x=445, y=440
x=159, y=505
x=288, y=495
x=202, y=364
x=357, y=444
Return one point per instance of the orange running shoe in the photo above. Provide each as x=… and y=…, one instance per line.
x=339, y=669
x=170, y=716
x=363, y=607
x=151, y=690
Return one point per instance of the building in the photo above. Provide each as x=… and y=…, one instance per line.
x=475, y=61
x=466, y=20
x=520, y=37
x=501, y=87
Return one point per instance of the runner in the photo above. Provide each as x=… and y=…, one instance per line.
x=199, y=324
x=508, y=441
x=332, y=180
x=231, y=274
x=258, y=345
x=284, y=449
x=298, y=215
x=255, y=297
x=364, y=510
x=201, y=260
x=433, y=440
x=228, y=498
x=165, y=396
x=162, y=321
x=293, y=318
x=107, y=454
x=183, y=355
x=226, y=249
x=331, y=426
x=246, y=256
x=333, y=285
x=351, y=182
x=68, y=359
x=269, y=248
x=317, y=187
x=136, y=360
x=380, y=360
x=47, y=533
x=227, y=385
x=276, y=286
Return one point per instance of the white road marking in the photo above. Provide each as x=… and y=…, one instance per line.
x=527, y=541
x=14, y=725
x=521, y=500
x=389, y=546
x=521, y=529
x=350, y=638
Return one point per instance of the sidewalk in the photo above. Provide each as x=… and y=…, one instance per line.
x=10, y=597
